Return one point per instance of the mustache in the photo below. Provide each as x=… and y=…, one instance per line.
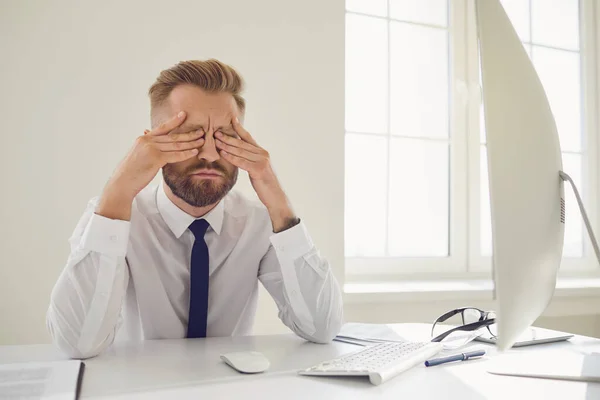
x=203, y=164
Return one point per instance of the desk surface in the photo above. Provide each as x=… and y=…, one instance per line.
x=191, y=368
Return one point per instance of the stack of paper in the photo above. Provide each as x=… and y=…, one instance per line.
x=366, y=334
x=48, y=380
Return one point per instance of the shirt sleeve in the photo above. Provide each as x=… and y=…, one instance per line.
x=303, y=286
x=85, y=305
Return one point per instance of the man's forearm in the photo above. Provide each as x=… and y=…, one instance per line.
x=281, y=213
x=115, y=203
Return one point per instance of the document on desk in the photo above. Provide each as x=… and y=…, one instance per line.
x=560, y=365
x=58, y=380
x=364, y=334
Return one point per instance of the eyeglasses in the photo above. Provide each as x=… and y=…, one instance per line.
x=464, y=325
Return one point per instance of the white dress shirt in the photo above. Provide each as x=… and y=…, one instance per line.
x=131, y=279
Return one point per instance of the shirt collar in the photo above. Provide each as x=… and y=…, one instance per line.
x=178, y=220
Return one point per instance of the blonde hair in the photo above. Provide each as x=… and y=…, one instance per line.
x=211, y=75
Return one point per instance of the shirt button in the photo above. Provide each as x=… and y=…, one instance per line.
x=113, y=238
x=281, y=248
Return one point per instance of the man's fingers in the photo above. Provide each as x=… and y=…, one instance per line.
x=230, y=140
x=179, y=146
x=178, y=156
x=169, y=125
x=237, y=151
x=239, y=162
x=243, y=133
x=179, y=137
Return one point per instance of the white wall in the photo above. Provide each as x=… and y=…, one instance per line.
x=74, y=77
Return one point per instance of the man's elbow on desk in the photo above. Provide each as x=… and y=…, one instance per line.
x=328, y=326
x=72, y=350
x=74, y=353
x=69, y=342
x=324, y=332
x=327, y=335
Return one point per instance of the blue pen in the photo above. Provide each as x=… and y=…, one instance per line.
x=456, y=357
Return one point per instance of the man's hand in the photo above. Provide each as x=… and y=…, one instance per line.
x=148, y=155
x=246, y=154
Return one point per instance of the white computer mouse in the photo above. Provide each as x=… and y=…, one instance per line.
x=247, y=362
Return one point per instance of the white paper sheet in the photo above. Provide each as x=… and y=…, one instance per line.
x=370, y=333
x=48, y=380
x=560, y=365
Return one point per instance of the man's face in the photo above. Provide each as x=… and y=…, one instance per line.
x=205, y=179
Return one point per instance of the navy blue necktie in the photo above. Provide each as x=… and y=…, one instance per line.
x=198, y=282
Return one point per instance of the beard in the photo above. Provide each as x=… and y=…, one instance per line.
x=195, y=192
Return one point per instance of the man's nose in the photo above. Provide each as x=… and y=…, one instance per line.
x=209, y=150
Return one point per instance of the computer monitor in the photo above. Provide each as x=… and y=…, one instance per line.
x=525, y=176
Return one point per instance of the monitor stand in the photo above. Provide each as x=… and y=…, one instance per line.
x=565, y=177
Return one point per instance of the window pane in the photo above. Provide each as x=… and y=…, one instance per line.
x=419, y=81
x=573, y=222
x=555, y=23
x=365, y=192
x=518, y=13
x=372, y=7
x=559, y=73
x=419, y=199
x=366, y=74
x=485, y=227
x=433, y=12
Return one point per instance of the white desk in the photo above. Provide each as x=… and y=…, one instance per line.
x=181, y=369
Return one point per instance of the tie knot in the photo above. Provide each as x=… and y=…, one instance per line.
x=198, y=228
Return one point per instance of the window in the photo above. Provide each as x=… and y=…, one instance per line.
x=416, y=197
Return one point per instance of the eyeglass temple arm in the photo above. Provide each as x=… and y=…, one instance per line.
x=469, y=327
x=449, y=314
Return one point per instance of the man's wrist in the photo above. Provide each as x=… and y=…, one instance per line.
x=114, y=205
x=283, y=219
x=287, y=224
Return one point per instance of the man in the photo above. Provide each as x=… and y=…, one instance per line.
x=184, y=259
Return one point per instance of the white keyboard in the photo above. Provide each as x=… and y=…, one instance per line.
x=379, y=362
